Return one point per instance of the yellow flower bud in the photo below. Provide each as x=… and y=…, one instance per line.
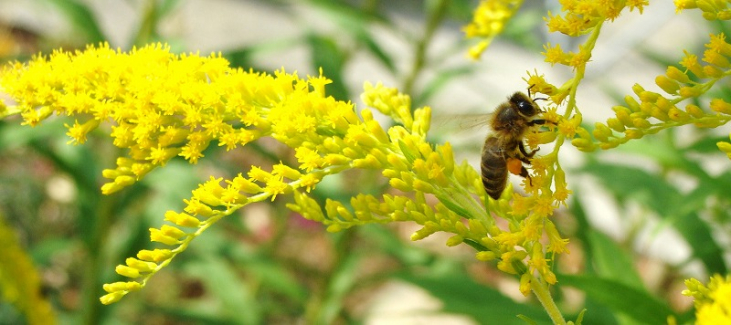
x=615, y=124
x=713, y=72
x=400, y=185
x=111, y=298
x=455, y=240
x=127, y=271
x=423, y=186
x=724, y=146
x=142, y=266
x=602, y=132
x=721, y=106
x=157, y=255
x=676, y=114
x=632, y=103
x=582, y=144
x=485, y=256
x=677, y=75
x=667, y=85
x=634, y=134
x=694, y=111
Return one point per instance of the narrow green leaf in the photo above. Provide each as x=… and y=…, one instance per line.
x=82, y=17
x=327, y=55
x=461, y=295
x=637, y=304
x=612, y=262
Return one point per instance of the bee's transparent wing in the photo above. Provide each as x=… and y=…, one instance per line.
x=459, y=122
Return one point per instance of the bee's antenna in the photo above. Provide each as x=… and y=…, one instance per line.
x=531, y=97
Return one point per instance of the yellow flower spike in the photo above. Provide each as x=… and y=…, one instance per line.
x=556, y=244
x=196, y=207
x=713, y=72
x=127, y=271
x=633, y=105
x=602, y=132
x=718, y=44
x=182, y=219
x=172, y=232
x=336, y=159
x=275, y=186
x=111, y=298
x=78, y=132
x=676, y=114
x=714, y=57
x=400, y=185
x=119, y=183
x=422, y=121
x=156, y=255
x=555, y=55
x=690, y=62
x=142, y=266
x=245, y=185
x=369, y=162
x=427, y=230
x=485, y=256
x=668, y=85
x=677, y=75
x=286, y=172
x=684, y=4
x=634, y=134
x=259, y=174
x=525, y=283
x=156, y=235
x=507, y=259
x=615, y=124
x=694, y=111
x=725, y=147
x=161, y=155
x=454, y=240
x=122, y=286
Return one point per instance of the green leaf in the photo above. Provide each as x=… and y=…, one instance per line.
x=632, y=184
x=637, y=304
x=441, y=79
x=82, y=17
x=239, y=303
x=612, y=262
x=327, y=55
x=462, y=295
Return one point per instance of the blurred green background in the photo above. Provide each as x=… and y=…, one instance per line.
x=644, y=216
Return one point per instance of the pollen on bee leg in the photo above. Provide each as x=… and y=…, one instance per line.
x=515, y=166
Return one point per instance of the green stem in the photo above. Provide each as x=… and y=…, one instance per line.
x=540, y=289
x=435, y=18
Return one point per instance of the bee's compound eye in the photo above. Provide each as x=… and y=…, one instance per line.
x=526, y=108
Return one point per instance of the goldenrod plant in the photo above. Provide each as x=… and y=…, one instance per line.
x=158, y=106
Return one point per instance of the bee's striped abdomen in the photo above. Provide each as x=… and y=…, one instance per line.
x=494, y=167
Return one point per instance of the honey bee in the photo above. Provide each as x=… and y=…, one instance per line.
x=504, y=150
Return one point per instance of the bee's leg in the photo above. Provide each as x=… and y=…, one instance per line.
x=525, y=153
x=537, y=122
x=516, y=167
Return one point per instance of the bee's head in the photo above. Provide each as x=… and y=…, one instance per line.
x=525, y=105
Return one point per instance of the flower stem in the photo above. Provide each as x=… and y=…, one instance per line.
x=540, y=289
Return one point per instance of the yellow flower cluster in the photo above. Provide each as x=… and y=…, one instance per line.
x=581, y=16
x=712, y=9
x=651, y=112
x=712, y=302
x=20, y=284
x=164, y=105
x=488, y=21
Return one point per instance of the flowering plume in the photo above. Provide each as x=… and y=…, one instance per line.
x=163, y=105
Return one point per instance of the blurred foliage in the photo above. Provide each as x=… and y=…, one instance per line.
x=269, y=266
